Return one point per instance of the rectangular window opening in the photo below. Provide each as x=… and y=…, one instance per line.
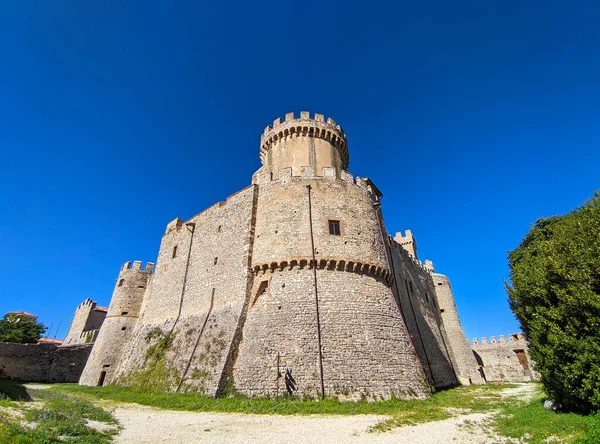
x=174, y=254
x=121, y=281
x=334, y=227
x=123, y=313
x=123, y=328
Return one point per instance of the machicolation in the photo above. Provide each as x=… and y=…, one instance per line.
x=293, y=277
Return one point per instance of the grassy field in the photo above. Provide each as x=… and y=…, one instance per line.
x=46, y=416
x=537, y=425
x=65, y=409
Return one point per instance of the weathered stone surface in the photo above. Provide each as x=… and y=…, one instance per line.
x=232, y=299
x=502, y=360
x=464, y=362
x=42, y=362
x=86, y=323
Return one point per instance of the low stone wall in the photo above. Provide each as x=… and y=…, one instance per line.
x=503, y=360
x=43, y=362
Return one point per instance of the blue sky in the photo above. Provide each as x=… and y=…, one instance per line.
x=473, y=118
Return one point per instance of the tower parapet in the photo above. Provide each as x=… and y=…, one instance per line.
x=121, y=318
x=408, y=242
x=304, y=141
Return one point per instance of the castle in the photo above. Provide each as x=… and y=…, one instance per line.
x=290, y=286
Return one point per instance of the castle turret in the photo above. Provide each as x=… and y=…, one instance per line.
x=304, y=142
x=464, y=361
x=407, y=242
x=122, y=316
x=86, y=323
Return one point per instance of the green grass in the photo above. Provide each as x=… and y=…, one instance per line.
x=534, y=424
x=473, y=398
x=56, y=417
x=66, y=406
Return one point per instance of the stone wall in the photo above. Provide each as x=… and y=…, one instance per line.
x=503, y=360
x=42, y=362
x=366, y=350
x=195, y=300
x=416, y=297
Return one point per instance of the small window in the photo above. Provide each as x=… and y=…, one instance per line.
x=441, y=310
x=174, y=254
x=123, y=328
x=123, y=313
x=410, y=284
x=427, y=297
x=141, y=286
x=440, y=283
x=216, y=260
x=121, y=281
x=219, y=229
x=334, y=227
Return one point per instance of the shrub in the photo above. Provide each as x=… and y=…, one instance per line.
x=555, y=294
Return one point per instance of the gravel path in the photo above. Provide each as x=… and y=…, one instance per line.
x=150, y=425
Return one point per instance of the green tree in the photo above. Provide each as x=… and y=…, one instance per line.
x=16, y=328
x=555, y=294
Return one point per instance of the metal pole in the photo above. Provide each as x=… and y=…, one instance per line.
x=56, y=332
x=185, y=276
x=314, y=260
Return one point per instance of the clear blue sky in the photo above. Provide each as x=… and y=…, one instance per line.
x=474, y=119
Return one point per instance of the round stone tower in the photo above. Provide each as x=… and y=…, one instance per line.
x=321, y=317
x=123, y=313
x=300, y=142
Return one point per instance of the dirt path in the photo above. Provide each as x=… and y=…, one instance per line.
x=149, y=425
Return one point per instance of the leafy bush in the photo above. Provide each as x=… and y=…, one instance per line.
x=20, y=329
x=555, y=294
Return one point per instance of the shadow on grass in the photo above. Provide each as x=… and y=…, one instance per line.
x=14, y=390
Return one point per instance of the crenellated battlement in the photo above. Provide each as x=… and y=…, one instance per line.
x=328, y=174
x=137, y=265
x=87, y=303
x=305, y=126
x=515, y=337
x=401, y=248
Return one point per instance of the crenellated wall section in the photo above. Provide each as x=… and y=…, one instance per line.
x=193, y=312
x=505, y=361
x=86, y=323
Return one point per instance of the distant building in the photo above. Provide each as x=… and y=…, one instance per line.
x=22, y=315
